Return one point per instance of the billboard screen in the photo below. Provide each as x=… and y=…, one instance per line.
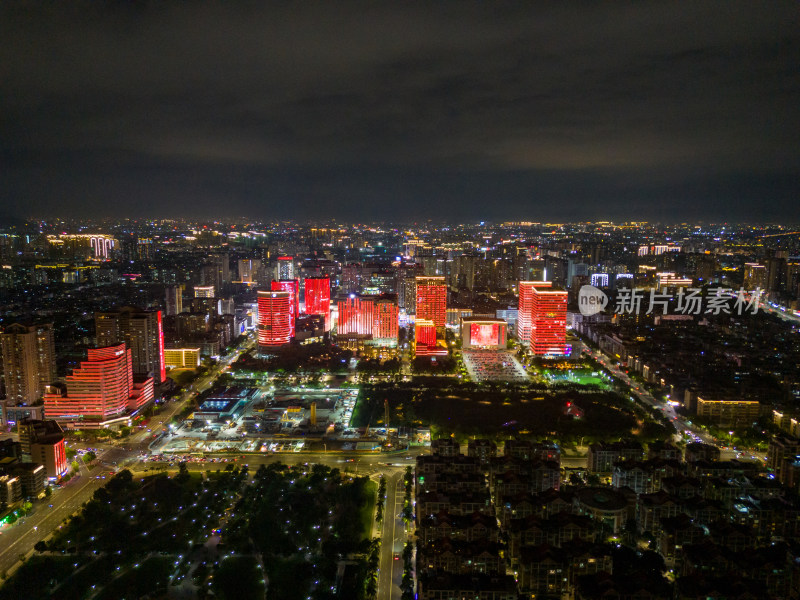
x=483, y=334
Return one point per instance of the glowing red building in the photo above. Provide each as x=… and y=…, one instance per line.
x=293, y=287
x=432, y=300
x=102, y=388
x=356, y=315
x=373, y=317
x=425, y=339
x=385, y=319
x=542, y=320
x=275, y=321
x=318, y=296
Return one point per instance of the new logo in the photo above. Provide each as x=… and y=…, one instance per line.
x=591, y=300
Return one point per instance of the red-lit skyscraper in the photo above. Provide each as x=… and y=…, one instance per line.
x=542, y=321
x=432, y=300
x=369, y=316
x=384, y=327
x=318, y=296
x=101, y=388
x=293, y=287
x=356, y=315
x=275, y=322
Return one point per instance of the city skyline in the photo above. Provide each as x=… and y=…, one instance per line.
x=649, y=111
x=399, y=301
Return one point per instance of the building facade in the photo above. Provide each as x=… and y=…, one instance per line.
x=143, y=333
x=432, y=300
x=275, y=323
x=101, y=389
x=28, y=354
x=542, y=320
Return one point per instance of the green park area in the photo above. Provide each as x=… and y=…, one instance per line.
x=302, y=523
x=568, y=413
x=150, y=536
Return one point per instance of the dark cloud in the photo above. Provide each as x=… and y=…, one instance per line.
x=564, y=110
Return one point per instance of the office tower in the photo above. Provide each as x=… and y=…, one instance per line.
x=542, y=322
x=102, y=388
x=293, y=287
x=226, y=306
x=776, y=274
x=385, y=329
x=351, y=278
x=190, y=326
x=356, y=315
x=142, y=331
x=174, y=300
x=28, y=353
x=43, y=441
x=369, y=317
x=380, y=282
x=248, y=270
x=285, y=267
x=204, y=291
x=407, y=286
x=217, y=271
x=432, y=300
x=275, y=323
x=755, y=277
x=318, y=296
x=144, y=249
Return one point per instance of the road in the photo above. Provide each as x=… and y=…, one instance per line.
x=393, y=538
x=157, y=423
x=22, y=536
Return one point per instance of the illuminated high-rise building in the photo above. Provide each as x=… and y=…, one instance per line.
x=755, y=276
x=43, y=441
x=174, y=300
x=28, y=354
x=204, y=291
x=318, y=296
x=356, y=315
x=248, y=270
x=385, y=328
x=432, y=300
x=275, y=323
x=370, y=318
x=293, y=287
x=285, y=267
x=542, y=320
x=142, y=331
x=102, y=388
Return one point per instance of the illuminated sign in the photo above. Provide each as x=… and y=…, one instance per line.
x=483, y=334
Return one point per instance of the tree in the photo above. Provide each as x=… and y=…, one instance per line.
x=40, y=546
x=89, y=457
x=183, y=473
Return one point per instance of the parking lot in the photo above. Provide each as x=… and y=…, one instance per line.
x=493, y=365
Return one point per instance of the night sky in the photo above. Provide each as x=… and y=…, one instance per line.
x=465, y=111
